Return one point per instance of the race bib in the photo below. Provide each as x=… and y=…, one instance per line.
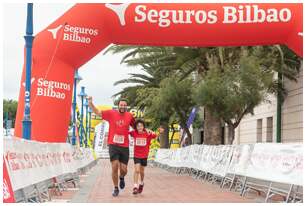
x=119, y=139
x=141, y=141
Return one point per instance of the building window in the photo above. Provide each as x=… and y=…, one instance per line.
x=259, y=131
x=269, y=129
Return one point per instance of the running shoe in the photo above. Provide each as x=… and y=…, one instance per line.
x=140, y=187
x=116, y=192
x=122, y=183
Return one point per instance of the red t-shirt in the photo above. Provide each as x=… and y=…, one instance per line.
x=118, y=127
x=142, y=143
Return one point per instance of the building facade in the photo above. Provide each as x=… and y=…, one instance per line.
x=261, y=127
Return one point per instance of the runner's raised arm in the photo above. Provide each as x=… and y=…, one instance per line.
x=93, y=107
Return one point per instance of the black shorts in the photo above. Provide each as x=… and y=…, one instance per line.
x=141, y=161
x=119, y=153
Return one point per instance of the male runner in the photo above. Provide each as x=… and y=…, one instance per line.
x=118, y=140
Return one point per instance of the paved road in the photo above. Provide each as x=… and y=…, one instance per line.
x=160, y=186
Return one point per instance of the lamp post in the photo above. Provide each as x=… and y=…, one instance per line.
x=77, y=79
x=89, y=123
x=27, y=122
x=6, y=124
x=82, y=95
x=279, y=102
x=86, y=122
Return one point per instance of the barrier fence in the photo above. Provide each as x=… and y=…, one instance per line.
x=35, y=165
x=241, y=165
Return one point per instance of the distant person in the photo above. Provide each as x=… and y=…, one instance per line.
x=118, y=139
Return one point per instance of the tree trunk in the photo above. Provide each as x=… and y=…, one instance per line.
x=231, y=133
x=164, y=137
x=212, y=129
x=189, y=135
x=183, y=125
x=171, y=139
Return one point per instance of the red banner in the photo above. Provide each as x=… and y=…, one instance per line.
x=8, y=194
x=86, y=29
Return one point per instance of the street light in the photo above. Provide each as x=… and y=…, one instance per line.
x=82, y=95
x=89, y=123
x=86, y=122
x=27, y=122
x=77, y=79
x=6, y=124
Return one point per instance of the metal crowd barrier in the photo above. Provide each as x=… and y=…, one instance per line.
x=42, y=191
x=243, y=184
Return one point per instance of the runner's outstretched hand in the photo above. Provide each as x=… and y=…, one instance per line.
x=93, y=107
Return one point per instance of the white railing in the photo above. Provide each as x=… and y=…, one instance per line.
x=267, y=161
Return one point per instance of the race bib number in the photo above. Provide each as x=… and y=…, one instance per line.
x=119, y=139
x=141, y=141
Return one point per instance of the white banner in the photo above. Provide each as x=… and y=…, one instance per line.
x=101, y=133
x=30, y=162
x=220, y=159
x=162, y=156
x=267, y=161
x=240, y=159
x=277, y=162
x=194, y=156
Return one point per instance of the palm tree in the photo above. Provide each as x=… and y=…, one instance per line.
x=272, y=59
x=158, y=64
x=162, y=62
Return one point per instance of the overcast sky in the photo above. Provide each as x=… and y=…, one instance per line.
x=98, y=74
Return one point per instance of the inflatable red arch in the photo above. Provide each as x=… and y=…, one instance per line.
x=86, y=29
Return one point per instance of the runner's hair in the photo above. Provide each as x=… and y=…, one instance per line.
x=139, y=121
x=123, y=99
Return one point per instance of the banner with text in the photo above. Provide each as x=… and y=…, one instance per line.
x=40, y=161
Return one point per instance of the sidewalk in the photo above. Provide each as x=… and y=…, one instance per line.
x=160, y=186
